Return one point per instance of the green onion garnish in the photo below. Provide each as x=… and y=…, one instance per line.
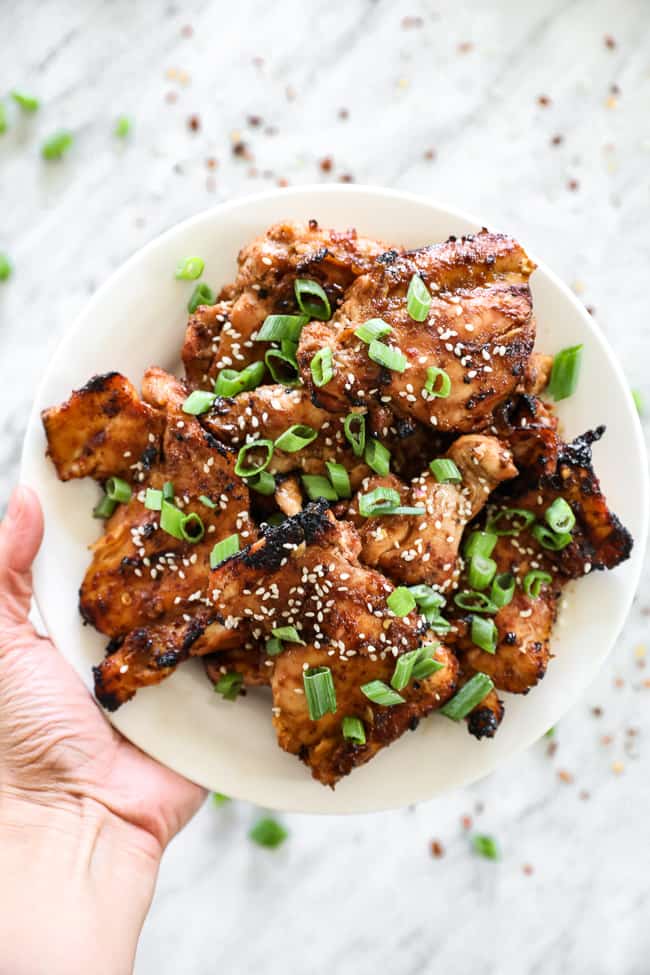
x=170, y=520
x=104, y=508
x=559, y=517
x=565, y=372
x=380, y=501
x=28, y=103
x=192, y=528
x=637, y=396
x=224, y=550
x=262, y=483
x=269, y=833
x=229, y=685
x=219, y=799
x=415, y=665
x=200, y=401
x=479, y=543
x=468, y=697
x=319, y=691
x=380, y=693
x=445, y=471
x=230, y=382
x=484, y=634
x=374, y=328
x=550, y=540
x=322, y=367
x=476, y=602
x=3, y=119
x=283, y=367
x=353, y=730
x=485, y=846
x=503, y=589
x=208, y=502
x=153, y=499
x=168, y=491
x=426, y=665
x=377, y=457
x=277, y=327
x=519, y=518
x=403, y=670
x=296, y=438
x=401, y=601
x=481, y=572
x=533, y=582
x=202, y=295
x=118, y=490
x=339, y=478
x=122, y=129
x=438, y=383
x=318, y=486
x=189, y=269
x=418, y=299
x=354, y=428
x=57, y=145
x=387, y=356
x=5, y=267
x=312, y=299
x=438, y=624
x=244, y=471
x=427, y=598
x=273, y=646
x=288, y=633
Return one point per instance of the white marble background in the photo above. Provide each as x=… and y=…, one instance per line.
x=571, y=893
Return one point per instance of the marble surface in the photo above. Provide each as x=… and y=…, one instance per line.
x=533, y=116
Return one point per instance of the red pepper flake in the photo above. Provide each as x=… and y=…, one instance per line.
x=606, y=740
x=187, y=30
x=346, y=178
x=254, y=121
x=211, y=162
x=194, y=123
x=464, y=47
x=543, y=100
x=344, y=114
x=429, y=154
x=283, y=182
x=437, y=849
x=557, y=140
x=409, y=23
x=619, y=682
x=326, y=164
x=572, y=185
x=645, y=683
x=609, y=42
x=565, y=776
x=466, y=822
x=527, y=869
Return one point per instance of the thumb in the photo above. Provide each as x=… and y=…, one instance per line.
x=21, y=532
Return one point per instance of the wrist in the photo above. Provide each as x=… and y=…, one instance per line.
x=77, y=883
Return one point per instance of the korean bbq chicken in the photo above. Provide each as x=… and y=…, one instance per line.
x=358, y=496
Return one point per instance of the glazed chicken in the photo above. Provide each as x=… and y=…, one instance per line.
x=229, y=537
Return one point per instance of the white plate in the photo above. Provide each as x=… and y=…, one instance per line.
x=137, y=319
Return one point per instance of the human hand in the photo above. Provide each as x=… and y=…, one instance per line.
x=69, y=783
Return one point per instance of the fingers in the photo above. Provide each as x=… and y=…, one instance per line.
x=21, y=532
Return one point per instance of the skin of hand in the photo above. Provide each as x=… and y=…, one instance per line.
x=84, y=815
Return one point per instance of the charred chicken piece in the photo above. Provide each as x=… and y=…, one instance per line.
x=479, y=329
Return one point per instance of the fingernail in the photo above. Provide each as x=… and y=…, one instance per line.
x=15, y=505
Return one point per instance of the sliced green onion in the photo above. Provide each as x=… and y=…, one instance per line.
x=224, y=550
x=485, y=846
x=190, y=269
x=387, y=356
x=170, y=520
x=269, y=833
x=153, y=499
x=637, y=396
x=122, y=129
x=481, y=572
x=559, y=517
x=219, y=799
x=468, y=697
x=3, y=119
x=277, y=327
x=550, y=540
x=402, y=509
x=192, y=527
x=427, y=598
x=118, y=490
x=318, y=486
x=503, y=589
x=355, y=437
x=445, y=471
x=283, y=367
x=374, y=328
x=230, y=382
x=288, y=633
x=273, y=646
x=5, y=267
x=57, y=145
x=198, y=402
x=533, y=582
x=322, y=367
x=28, y=103
x=296, y=438
x=380, y=501
x=208, y=502
x=438, y=624
x=104, y=508
x=477, y=602
x=380, y=693
x=202, y=295
x=479, y=543
x=312, y=299
x=353, y=730
x=229, y=685
x=168, y=491
x=438, y=383
x=340, y=479
x=415, y=665
x=262, y=483
x=377, y=457
x=403, y=670
x=484, y=634
x=401, y=601
x=565, y=372
x=519, y=517
x=426, y=665
x=240, y=467
x=418, y=299
x=319, y=691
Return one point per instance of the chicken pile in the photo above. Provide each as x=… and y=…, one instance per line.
x=357, y=514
